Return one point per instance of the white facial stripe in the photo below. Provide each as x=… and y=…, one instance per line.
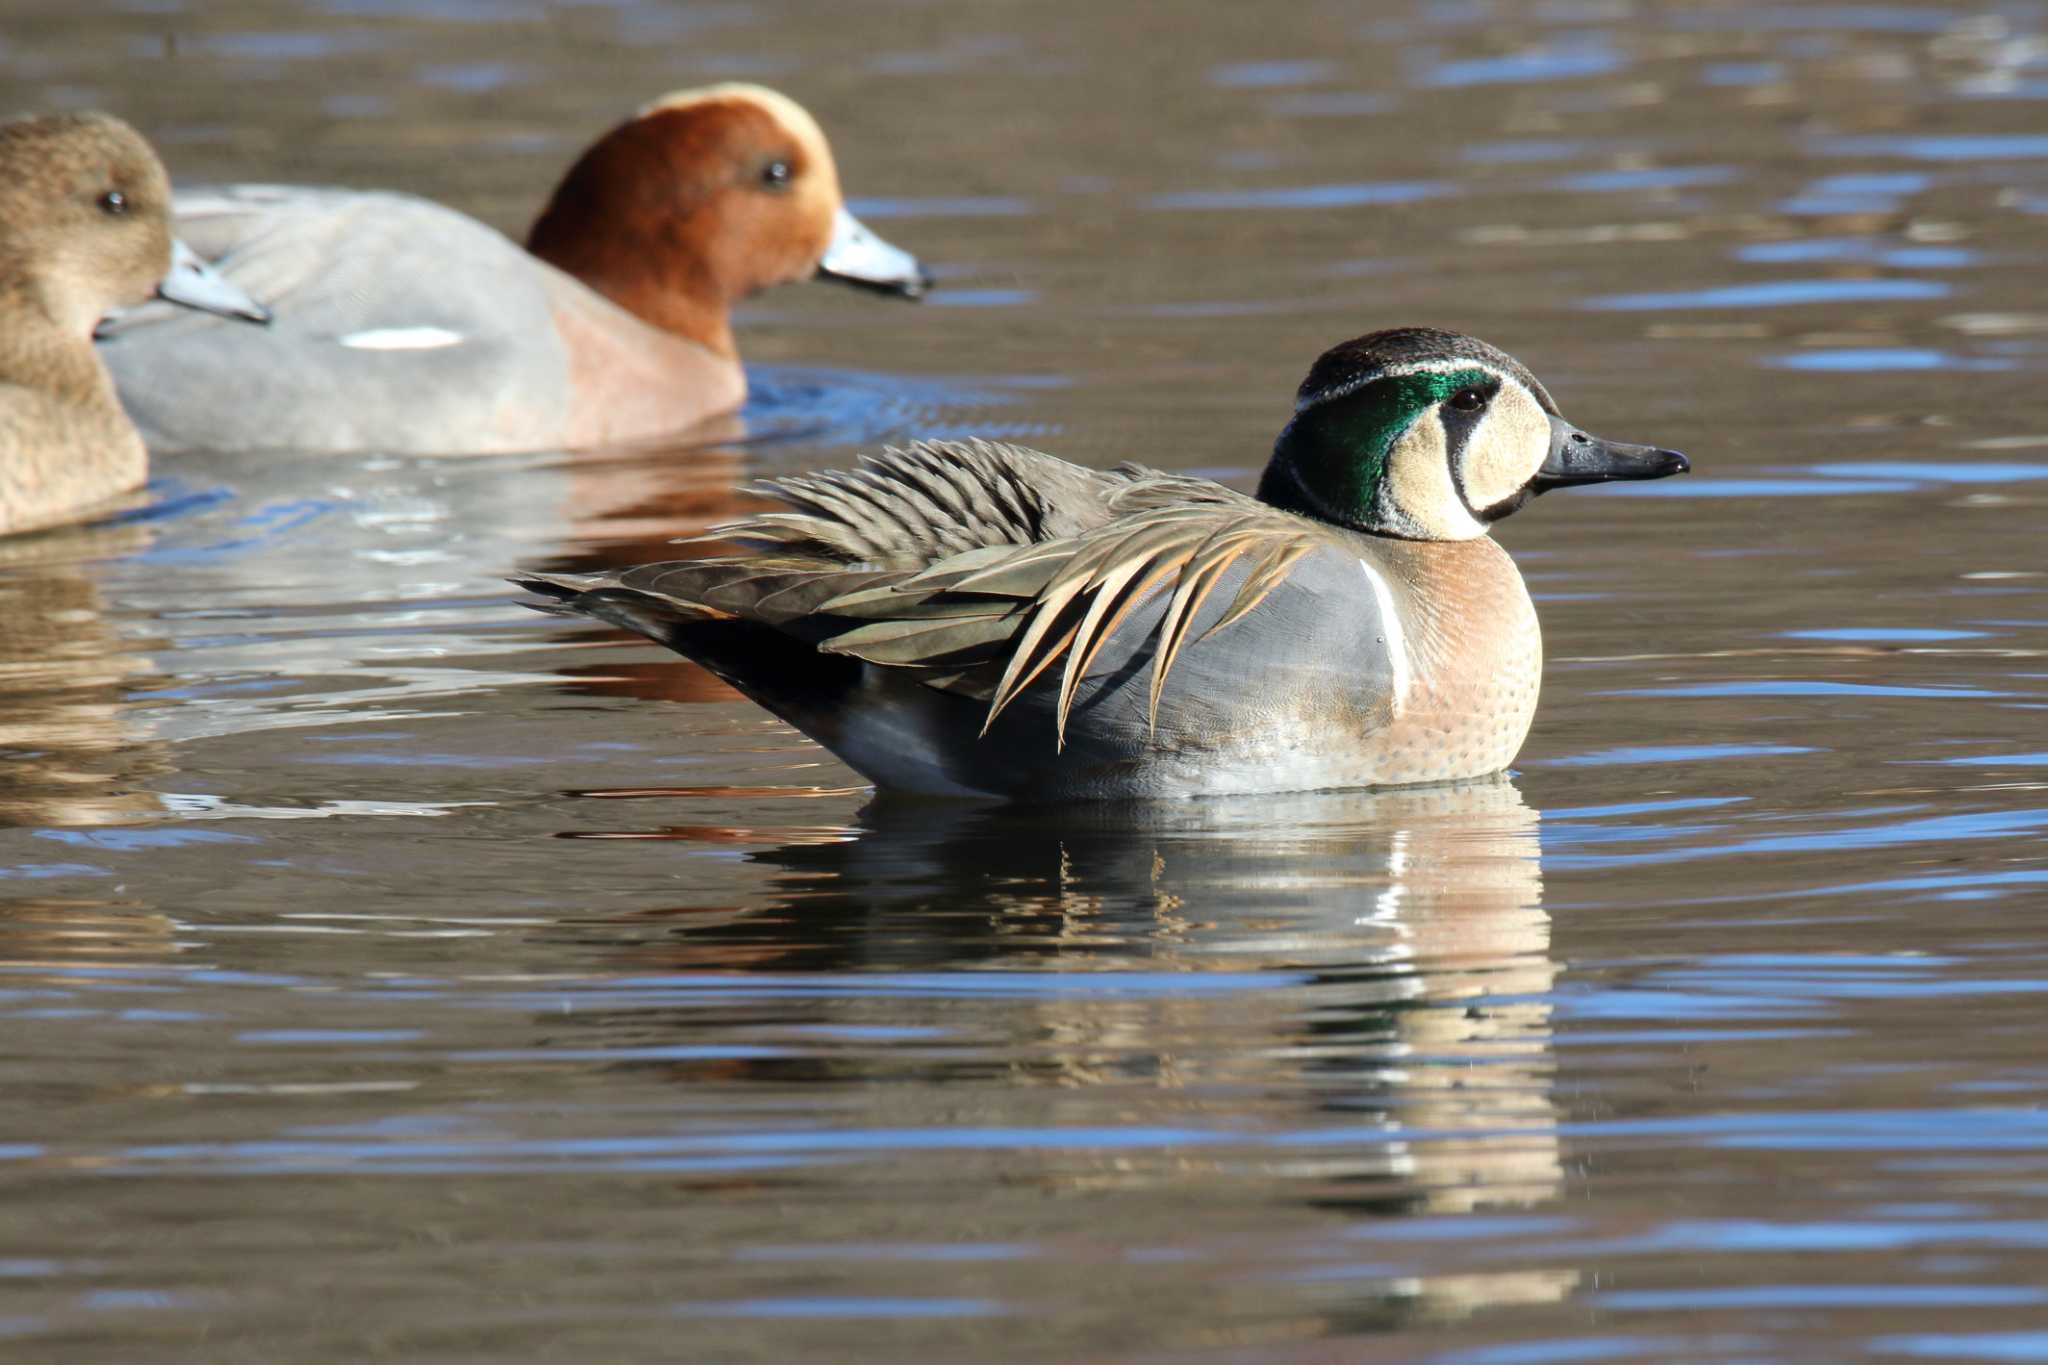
x=1395, y=637
x=1447, y=365
x=1505, y=449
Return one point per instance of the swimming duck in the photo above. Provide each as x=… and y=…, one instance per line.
x=977, y=619
x=85, y=228
x=406, y=327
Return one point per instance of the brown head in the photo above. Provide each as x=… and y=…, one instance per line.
x=85, y=217
x=702, y=198
x=85, y=229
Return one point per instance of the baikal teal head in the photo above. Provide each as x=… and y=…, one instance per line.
x=1430, y=435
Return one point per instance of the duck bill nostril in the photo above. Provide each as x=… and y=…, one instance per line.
x=1579, y=458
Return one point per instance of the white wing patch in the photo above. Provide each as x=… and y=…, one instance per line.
x=402, y=339
x=1395, y=637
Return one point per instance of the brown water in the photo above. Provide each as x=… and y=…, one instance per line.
x=387, y=971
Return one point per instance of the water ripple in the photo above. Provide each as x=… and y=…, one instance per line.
x=1776, y=294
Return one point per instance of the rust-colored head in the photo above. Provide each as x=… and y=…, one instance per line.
x=85, y=216
x=697, y=201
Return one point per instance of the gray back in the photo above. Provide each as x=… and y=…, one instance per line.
x=333, y=264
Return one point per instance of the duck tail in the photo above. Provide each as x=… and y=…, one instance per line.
x=560, y=592
x=603, y=599
x=782, y=674
x=670, y=621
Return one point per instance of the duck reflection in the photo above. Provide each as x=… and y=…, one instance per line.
x=67, y=753
x=1366, y=973
x=618, y=515
x=628, y=506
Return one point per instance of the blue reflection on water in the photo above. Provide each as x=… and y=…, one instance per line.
x=1566, y=1351
x=259, y=529
x=472, y=77
x=51, y=871
x=1637, y=808
x=1774, y=294
x=1306, y=196
x=2008, y=1129
x=1740, y=1236
x=1742, y=73
x=251, y=46
x=1873, y=182
x=1787, y=18
x=1881, y=358
x=447, y=11
x=1856, y=249
x=842, y=1307
x=1560, y=839
x=1525, y=151
x=1566, y=62
x=1803, y=687
x=1883, y=634
x=133, y=840
x=170, y=498
x=1997, y=1346
x=1842, y=1130
x=1934, y=471
x=1673, y=177
x=1956, y=147
x=1266, y=75
x=1820, y=1296
x=939, y=206
x=1856, y=192
x=892, y=1251
x=791, y=403
x=981, y=298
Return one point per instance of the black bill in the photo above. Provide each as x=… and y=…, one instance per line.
x=1577, y=458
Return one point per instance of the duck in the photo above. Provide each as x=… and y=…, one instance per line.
x=404, y=327
x=85, y=230
x=970, y=619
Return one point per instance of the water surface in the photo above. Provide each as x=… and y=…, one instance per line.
x=389, y=970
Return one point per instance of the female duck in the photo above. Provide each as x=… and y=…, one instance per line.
x=85, y=228
x=984, y=620
x=404, y=326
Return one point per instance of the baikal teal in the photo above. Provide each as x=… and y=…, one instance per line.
x=975, y=619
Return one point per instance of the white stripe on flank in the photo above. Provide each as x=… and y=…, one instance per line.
x=1391, y=634
x=402, y=339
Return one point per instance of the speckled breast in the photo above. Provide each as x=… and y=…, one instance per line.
x=1474, y=662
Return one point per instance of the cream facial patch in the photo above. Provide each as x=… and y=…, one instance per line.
x=1506, y=449
x=1418, y=485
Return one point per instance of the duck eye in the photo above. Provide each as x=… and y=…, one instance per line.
x=113, y=203
x=1468, y=400
x=776, y=175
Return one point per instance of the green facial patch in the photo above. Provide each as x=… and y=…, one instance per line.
x=1331, y=459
